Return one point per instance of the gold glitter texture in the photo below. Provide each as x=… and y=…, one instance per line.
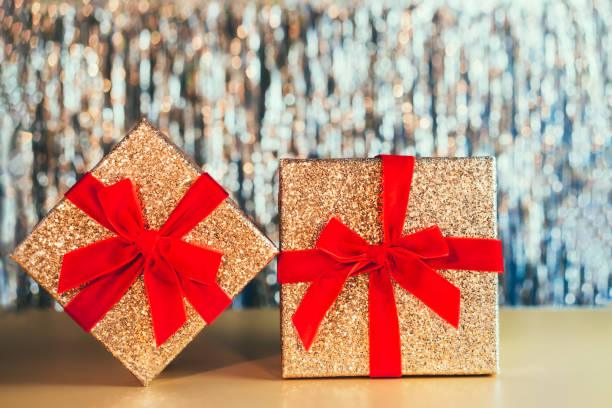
x=163, y=174
x=458, y=195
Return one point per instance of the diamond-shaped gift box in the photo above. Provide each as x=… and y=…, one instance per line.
x=388, y=266
x=145, y=250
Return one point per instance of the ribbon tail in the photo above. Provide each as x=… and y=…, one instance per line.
x=209, y=300
x=90, y=305
x=165, y=299
x=190, y=261
x=197, y=269
x=385, y=342
x=429, y=287
x=320, y=296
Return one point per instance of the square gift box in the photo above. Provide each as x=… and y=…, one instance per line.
x=179, y=248
x=341, y=279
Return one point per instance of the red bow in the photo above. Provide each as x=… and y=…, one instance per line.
x=173, y=269
x=410, y=260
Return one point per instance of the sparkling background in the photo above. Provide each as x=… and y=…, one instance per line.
x=239, y=85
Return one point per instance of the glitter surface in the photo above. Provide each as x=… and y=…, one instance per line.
x=456, y=194
x=163, y=174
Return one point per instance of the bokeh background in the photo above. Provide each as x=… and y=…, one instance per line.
x=239, y=84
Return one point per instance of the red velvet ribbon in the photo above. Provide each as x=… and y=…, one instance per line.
x=410, y=260
x=173, y=269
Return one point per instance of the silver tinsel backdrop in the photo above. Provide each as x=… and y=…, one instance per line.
x=239, y=84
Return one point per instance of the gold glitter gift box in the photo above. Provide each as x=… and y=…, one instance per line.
x=457, y=194
x=163, y=174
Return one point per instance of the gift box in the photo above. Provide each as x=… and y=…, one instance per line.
x=144, y=251
x=388, y=267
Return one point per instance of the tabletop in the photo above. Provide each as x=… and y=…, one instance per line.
x=549, y=357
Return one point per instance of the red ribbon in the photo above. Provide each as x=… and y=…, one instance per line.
x=410, y=260
x=173, y=269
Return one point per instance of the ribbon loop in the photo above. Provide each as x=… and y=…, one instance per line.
x=427, y=243
x=122, y=208
x=88, y=263
x=341, y=242
x=172, y=269
x=202, y=197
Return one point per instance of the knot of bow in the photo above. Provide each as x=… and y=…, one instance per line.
x=403, y=258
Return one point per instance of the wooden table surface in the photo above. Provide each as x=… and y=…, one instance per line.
x=549, y=358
